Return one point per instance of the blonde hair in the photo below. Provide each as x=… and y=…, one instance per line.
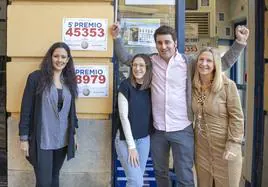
x=217, y=72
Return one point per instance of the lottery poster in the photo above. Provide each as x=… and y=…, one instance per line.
x=85, y=33
x=139, y=31
x=92, y=80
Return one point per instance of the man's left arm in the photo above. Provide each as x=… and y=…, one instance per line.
x=231, y=56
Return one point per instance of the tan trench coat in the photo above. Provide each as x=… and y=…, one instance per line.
x=224, y=130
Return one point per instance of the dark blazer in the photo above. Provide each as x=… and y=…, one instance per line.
x=31, y=119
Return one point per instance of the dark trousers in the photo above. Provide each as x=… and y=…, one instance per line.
x=48, y=167
x=182, y=145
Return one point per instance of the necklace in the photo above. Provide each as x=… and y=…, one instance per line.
x=202, y=95
x=201, y=98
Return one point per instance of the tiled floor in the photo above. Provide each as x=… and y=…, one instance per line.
x=3, y=181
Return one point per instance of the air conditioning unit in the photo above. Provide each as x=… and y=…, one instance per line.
x=205, y=17
x=200, y=18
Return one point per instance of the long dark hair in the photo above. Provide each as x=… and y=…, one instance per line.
x=147, y=78
x=68, y=73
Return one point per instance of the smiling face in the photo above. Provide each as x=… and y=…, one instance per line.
x=166, y=46
x=205, y=64
x=138, y=69
x=59, y=59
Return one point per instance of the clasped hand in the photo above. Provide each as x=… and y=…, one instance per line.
x=241, y=33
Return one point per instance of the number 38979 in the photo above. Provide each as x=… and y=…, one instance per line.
x=90, y=79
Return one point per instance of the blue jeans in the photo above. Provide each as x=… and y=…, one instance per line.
x=182, y=145
x=134, y=175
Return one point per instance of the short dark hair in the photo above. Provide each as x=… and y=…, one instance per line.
x=147, y=78
x=163, y=30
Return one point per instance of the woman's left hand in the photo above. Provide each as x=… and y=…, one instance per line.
x=75, y=142
x=232, y=149
x=227, y=155
x=133, y=158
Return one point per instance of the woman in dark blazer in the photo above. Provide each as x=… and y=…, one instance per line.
x=48, y=115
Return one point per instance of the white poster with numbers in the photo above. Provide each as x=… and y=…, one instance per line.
x=150, y=2
x=85, y=33
x=92, y=80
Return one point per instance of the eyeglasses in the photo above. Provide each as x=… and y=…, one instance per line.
x=138, y=65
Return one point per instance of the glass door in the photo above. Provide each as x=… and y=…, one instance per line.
x=138, y=21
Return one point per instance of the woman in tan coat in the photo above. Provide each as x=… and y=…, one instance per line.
x=219, y=125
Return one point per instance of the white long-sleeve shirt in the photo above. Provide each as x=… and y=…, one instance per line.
x=123, y=114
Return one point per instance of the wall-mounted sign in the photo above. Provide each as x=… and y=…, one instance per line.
x=204, y=2
x=85, y=33
x=92, y=80
x=191, y=38
x=149, y=2
x=139, y=31
x=191, y=30
x=191, y=45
